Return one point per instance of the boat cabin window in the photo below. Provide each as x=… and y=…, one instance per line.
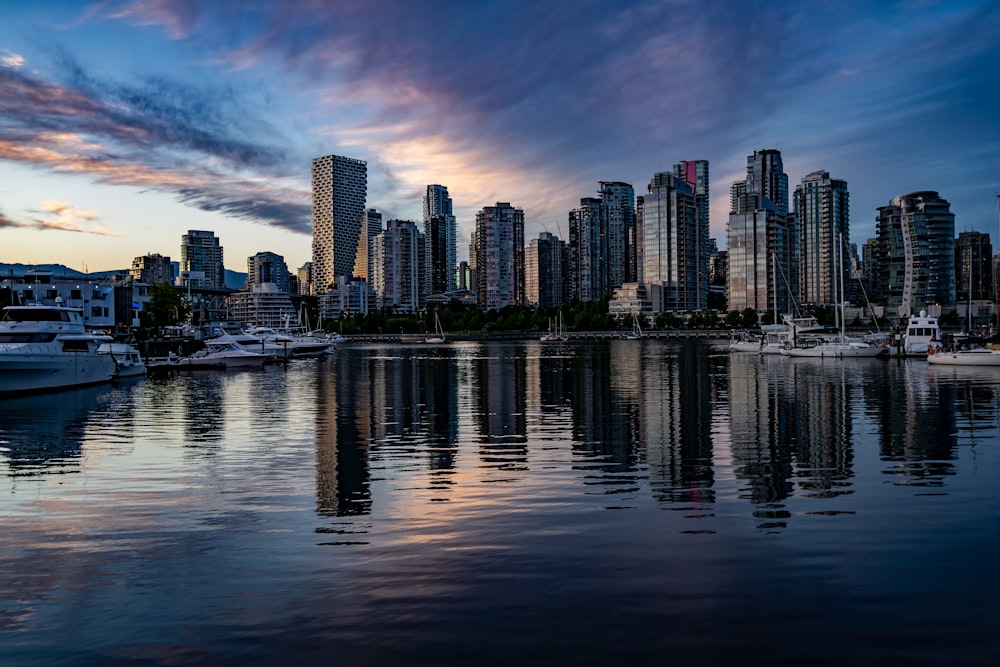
x=35, y=315
x=76, y=345
x=26, y=337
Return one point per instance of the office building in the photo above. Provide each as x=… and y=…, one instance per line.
x=339, y=189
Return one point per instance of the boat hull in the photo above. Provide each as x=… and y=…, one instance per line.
x=966, y=358
x=58, y=370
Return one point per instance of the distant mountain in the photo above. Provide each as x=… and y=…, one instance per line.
x=234, y=279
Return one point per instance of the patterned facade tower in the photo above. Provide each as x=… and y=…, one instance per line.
x=339, y=189
x=916, y=253
x=822, y=213
x=499, y=256
x=437, y=204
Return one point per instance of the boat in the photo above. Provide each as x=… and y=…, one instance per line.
x=289, y=345
x=437, y=337
x=636, y=333
x=558, y=334
x=922, y=336
x=839, y=346
x=128, y=361
x=964, y=353
x=745, y=341
x=220, y=354
x=47, y=347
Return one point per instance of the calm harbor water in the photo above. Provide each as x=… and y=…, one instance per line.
x=508, y=503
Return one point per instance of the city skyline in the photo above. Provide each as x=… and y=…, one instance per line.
x=125, y=124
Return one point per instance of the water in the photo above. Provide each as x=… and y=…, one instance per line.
x=507, y=503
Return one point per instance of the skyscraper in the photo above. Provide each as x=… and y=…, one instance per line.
x=438, y=210
x=675, y=266
x=543, y=271
x=695, y=174
x=973, y=268
x=397, y=255
x=587, y=252
x=371, y=226
x=201, y=254
x=499, y=256
x=916, y=253
x=763, y=265
x=340, y=186
x=618, y=221
x=822, y=213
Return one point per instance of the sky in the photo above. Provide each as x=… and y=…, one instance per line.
x=124, y=124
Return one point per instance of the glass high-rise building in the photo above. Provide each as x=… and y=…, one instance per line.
x=498, y=254
x=916, y=253
x=442, y=258
x=339, y=189
x=675, y=267
x=822, y=213
x=973, y=268
x=762, y=244
x=695, y=174
x=618, y=221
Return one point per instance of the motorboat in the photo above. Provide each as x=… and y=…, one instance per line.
x=128, y=361
x=437, y=337
x=287, y=344
x=47, y=347
x=922, y=336
x=220, y=354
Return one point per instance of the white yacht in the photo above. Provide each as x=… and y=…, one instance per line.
x=47, y=347
x=221, y=354
x=923, y=336
x=290, y=345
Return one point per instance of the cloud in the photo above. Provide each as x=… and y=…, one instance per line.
x=59, y=216
x=158, y=134
x=11, y=59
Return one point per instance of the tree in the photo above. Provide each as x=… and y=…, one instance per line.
x=166, y=307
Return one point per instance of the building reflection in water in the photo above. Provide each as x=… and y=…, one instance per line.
x=344, y=404
x=203, y=395
x=677, y=383
x=499, y=396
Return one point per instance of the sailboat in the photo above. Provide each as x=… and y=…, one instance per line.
x=636, y=332
x=776, y=337
x=839, y=346
x=438, y=336
x=558, y=334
